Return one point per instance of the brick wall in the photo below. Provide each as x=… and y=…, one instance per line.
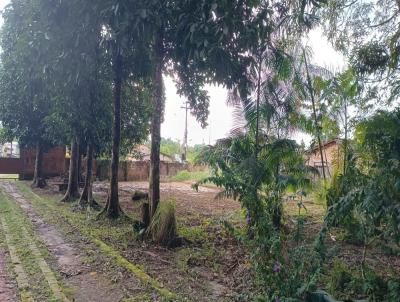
x=140, y=170
x=53, y=162
x=10, y=166
x=330, y=153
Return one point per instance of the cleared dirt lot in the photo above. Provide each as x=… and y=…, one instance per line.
x=188, y=201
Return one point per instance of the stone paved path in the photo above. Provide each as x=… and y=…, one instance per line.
x=87, y=287
x=7, y=288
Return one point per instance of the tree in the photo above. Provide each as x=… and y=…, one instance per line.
x=26, y=78
x=74, y=63
x=198, y=44
x=367, y=33
x=260, y=163
x=317, y=126
x=365, y=200
x=311, y=83
x=126, y=41
x=157, y=106
x=342, y=96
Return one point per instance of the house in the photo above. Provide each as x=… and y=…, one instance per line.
x=10, y=150
x=330, y=152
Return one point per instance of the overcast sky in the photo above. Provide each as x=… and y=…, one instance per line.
x=220, y=118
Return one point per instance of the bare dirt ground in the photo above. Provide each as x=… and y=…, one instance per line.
x=188, y=201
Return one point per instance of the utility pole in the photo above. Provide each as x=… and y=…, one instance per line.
x=185, y=135
x=209, y=134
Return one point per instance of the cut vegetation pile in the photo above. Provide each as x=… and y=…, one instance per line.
x=163, y=228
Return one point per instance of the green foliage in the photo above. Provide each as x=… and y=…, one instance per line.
x=173, y=148
x=258, y=164
x=368, y=194
x=283, y=273
x=347, y=283
x=258, y=172
x=170, y=147
x=367, y=33
x=320, y=190
x=365, y=200
x=186, y=175
x=339, y=280
x=25, y=76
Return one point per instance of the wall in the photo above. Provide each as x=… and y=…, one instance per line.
x=53, y=162
x=10, y=166
x=330, y=154
x=140, y=170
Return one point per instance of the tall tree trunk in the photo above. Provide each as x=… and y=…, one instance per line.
x=158, y=104
x=112, y=209
x=345, y=151
x=311, y=90
x=87, y=195
x=79, y=166
x=258, y=105
x=38, y=180
x=73, y=185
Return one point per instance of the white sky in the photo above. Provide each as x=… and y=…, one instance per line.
x=220, y=118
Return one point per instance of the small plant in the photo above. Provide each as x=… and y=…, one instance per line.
x=339, y=278
x=320, y=191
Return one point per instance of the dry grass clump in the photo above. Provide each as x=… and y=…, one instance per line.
x=162, y=229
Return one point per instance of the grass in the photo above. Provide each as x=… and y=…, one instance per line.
x=207, y=251
x=185, y=175
x=19, y=227
x=108, y=236
x=9, y=176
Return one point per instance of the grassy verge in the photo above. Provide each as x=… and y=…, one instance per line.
x=9, y=176
x=19, y=229
x=189, y=176
x=108, y=236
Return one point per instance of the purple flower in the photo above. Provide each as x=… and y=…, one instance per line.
x=277, y=267
x=277, y=299
x=248, y=218
x=154, y=296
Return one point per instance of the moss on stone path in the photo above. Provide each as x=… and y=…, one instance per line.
x=36, y=281
x=48, y=207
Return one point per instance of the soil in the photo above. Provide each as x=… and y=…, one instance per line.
x=86, y=285
x=216, y=277
x=188, y=201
